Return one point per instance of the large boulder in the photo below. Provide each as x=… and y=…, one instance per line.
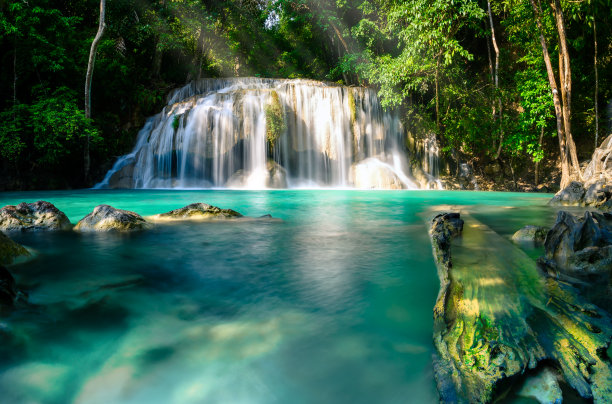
x=10, y=251
x=579, y=251
x=580, y=246
x=107, y=218
x=197, y=211
x=39, y=215
x=597, y=194
x=572, y=195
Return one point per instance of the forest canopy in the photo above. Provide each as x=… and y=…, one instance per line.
x=504, y=81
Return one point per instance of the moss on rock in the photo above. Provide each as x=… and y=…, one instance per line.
x=10, y=251
x=275, y=119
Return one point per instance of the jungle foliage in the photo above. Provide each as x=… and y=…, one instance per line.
x=433, y=59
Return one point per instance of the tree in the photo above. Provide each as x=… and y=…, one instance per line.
x=89, y=76
x=567, y=147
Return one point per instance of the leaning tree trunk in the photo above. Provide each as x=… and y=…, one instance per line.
x=596, y=85
x=89, y=76
x=564, y=154
x=565, y=76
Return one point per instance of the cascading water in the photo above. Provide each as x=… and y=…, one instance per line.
x=258, y=133
x=431, y=160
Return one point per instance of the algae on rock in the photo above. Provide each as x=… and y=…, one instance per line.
x=197, y=211
x=10, y=251
x=497, y=316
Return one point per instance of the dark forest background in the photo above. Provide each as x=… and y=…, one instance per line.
x=471, y=72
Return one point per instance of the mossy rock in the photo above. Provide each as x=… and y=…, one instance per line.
x=533, y=234
x=197, y=211
x=106, y=218
x=10, y=251
x=497, y=316
x=39, y=215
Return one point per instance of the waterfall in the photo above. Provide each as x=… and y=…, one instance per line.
x=267, y=133
x=431, y=161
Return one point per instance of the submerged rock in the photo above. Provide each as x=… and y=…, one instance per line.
x=497, y=316
x=10, y=250
x=197, y=211
x=8, y=288
x=535, y=234
x=543, y=387
x=107, y=218
x=39, y=215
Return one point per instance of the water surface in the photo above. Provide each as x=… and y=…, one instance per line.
x=330, y=305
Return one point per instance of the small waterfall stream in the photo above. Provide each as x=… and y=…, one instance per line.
x=267, y=133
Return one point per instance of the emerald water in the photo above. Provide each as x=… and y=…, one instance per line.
x=331, y=304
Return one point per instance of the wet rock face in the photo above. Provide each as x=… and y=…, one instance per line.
x=597, y=195
x=39, y=215
x=534, y=234
x=107, y=218
x=198, y=211
x=10, y=251
x=581, y=246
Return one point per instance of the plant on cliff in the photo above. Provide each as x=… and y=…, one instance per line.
x=275, y=120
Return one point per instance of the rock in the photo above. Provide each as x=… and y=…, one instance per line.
x=10, y=251
x=277, y=175
x=274, y=176
x=580, y=246
x=535, y=234
x=123, y=178
x=8, y=288
x=372, y=173
x=579, y=251
x=197, y=211
x=107, y=218
x=39, y=215
x=497, y=316
x=543, y=387
x=572, y=195
x=543, y=188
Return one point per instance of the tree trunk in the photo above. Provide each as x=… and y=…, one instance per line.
x=563, y=152
x=157, y=60
x=499, y=101
x=14, y=76
x=202, y=52
x=537, y=164
x=438, y=94
x=89, y=76
x=596, y=85
x=565, y=75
